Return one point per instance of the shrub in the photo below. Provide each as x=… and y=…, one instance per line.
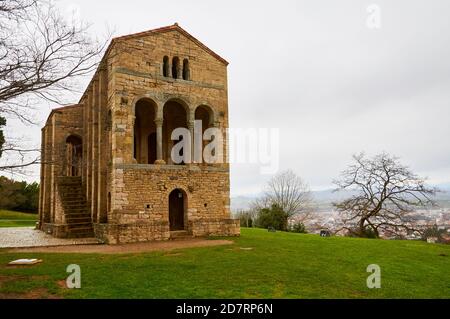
x=434, y=231
x=368, y=232
x=246, y=218
x=298, y=228
x=273, y=217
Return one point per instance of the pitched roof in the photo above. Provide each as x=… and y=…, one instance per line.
x=172, y=28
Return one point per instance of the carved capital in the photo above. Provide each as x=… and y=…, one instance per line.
x=159, y=122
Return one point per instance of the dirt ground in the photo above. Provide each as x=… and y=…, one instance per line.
x=125, y=249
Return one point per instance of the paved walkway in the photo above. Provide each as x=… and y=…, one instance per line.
x=29, y=237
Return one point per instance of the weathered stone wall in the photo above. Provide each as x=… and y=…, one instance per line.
x=146, y=189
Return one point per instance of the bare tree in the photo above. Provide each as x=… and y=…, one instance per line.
x=384, y=194
x=289, y=192
x=42, y=57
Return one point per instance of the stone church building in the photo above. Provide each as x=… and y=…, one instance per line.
x=107, y=168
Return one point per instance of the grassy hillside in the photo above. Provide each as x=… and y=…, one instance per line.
x=258, y=265
x=16, y=219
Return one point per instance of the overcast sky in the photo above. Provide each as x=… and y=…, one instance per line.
x=315, y=70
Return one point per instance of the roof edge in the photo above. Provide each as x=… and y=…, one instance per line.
x=172, y=28
x=62, y=108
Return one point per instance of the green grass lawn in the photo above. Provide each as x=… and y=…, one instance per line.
x=279, y=265
x=16, y=219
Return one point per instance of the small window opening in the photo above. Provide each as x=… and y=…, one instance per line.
x=186, y=72
x=175, y=67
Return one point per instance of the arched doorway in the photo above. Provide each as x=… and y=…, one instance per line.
x=74, y=152
x=177, y=209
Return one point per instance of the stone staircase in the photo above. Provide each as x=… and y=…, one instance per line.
x=78, y=218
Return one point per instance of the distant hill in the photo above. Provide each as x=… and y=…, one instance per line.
x=324, y=199
x=241, y=202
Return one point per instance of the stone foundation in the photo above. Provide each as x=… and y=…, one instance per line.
x=56, y=230
x=216, y=227
x=132, y=233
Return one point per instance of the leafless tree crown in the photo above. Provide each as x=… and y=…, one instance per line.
x=384, y=193
x=289, y=192
x=42, y=57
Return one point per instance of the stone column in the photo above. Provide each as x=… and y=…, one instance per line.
x=194, y=144
x=159, y=142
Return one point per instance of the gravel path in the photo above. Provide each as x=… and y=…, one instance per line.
x=30, y=240
x=29, y=237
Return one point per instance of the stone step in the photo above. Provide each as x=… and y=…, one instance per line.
x=84, y=219
x=69, y=203
x=69, y=186
x=180, y=235
x=72, y=194
x=81, y=233
x=75, y=220
x=78, y=210
x=78, y=226
x=64, y=180
x=74, y=207
x=79, y=215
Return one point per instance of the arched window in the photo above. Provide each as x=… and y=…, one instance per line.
x=175, y=116
x=186, y=72
x=175, y=67
x=144, y=127
x=166, y=67
x=204, y=114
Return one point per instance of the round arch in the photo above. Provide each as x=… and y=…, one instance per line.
x=176, y=114
x=180, y=101
x=147, y=98
x=207, y=109
x=145, y=112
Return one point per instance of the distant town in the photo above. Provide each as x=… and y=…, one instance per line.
x=324, y=217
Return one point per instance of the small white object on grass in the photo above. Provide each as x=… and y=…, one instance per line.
x=25, y=262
